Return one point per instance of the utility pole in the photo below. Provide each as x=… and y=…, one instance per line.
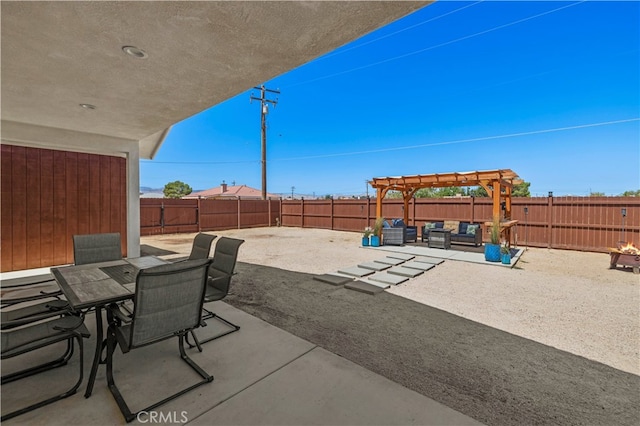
x=366, y=185
x=292, y=189
x=264, y=110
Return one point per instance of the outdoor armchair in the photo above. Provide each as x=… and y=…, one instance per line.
x=218, y=283
x=201, y=246
x=95, y=248
x=32, y=285
x=167, y=303
x=19, y=341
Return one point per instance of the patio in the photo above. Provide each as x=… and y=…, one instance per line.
x=263, y=375
x=311, y=353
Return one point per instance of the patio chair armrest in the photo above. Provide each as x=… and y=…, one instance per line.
x=115, y=311
x=74, y=326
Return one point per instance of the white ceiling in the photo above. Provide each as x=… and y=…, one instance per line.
x=57, y=55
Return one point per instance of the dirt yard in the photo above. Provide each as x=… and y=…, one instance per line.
x=554, y=340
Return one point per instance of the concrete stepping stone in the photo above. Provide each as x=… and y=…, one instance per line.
x=431, y=260
x=387, y=278
x=333, y=279
x=356, y=271
x=376, y=283
x=364, y=287
x=374, y=266
x=390, y=261
x=403, y=256
x=419, y=265
x=405, y=272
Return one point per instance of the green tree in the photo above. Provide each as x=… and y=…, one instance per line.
x=425, y=193
x=393, y=194
x=521, y=190
x=596, y=194
x=631, y=193
x=176, y=189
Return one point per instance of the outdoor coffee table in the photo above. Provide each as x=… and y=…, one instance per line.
x=96, y=285
x=440, y=238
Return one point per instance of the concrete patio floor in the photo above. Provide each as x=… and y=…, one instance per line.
x=263, y=376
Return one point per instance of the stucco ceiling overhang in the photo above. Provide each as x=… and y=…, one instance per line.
x=57, y=55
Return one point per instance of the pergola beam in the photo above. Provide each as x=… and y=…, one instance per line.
x=493, y=181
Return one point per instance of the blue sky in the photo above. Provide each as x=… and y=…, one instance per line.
x=550, y=90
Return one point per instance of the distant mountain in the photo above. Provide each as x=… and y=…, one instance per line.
x=146, y=189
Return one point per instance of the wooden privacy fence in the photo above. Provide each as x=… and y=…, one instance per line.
x=169, y=216
x=575, y=223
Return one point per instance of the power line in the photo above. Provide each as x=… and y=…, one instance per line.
x=479, y=139
x=416, y=52
x=371, y=151
x=331, y=55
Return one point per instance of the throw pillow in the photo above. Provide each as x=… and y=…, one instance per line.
x=471, y=229
x=452, y=225
x=439, y=225
x=463, y=227
x=429, y=225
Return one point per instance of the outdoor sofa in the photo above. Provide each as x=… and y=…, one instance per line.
x=398, y=233
x=461, y=232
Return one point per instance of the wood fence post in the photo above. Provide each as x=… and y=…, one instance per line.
x=472, y=203
x=302, y=212
x=239, y=213
x=413, y=210
x=198, y=216
x=162, y=217
x=269, y=211
x=550, y=219
x=331, y=204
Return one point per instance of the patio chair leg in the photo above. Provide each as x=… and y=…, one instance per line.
x=124, y=408
x=195, y=340
x=211, y=315
x=70, y=392
x=42, y=367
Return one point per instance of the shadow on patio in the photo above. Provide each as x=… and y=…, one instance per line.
x=312, y=353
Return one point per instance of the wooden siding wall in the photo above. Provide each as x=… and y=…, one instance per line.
x=169, y=216
x=575, y=223
x=47, y=196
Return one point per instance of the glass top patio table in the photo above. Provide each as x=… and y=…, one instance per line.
x=92, y=284
x=95, y=285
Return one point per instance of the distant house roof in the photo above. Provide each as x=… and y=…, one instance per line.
x=233, y=191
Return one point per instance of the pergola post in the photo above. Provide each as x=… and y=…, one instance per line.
x=496, y=198
x=379, y=196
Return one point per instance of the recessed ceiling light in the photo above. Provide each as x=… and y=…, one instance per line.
x=88, y=106
x=135, y=52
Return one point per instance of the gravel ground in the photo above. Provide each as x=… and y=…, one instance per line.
x=566, y=299
x=554, y=340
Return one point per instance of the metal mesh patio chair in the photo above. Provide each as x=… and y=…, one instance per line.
x=20, y=341
x=91, y=248
x=218, y=283
x=201, y=246
x=94, y=248
x=167, y=303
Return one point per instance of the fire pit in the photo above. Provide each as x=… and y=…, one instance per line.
x=626, y=254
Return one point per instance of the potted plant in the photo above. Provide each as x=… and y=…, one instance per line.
x=492, y=249
x=505, y=253
x=377, y=229
x=365, y=236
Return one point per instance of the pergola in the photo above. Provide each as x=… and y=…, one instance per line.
x=498, y=184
